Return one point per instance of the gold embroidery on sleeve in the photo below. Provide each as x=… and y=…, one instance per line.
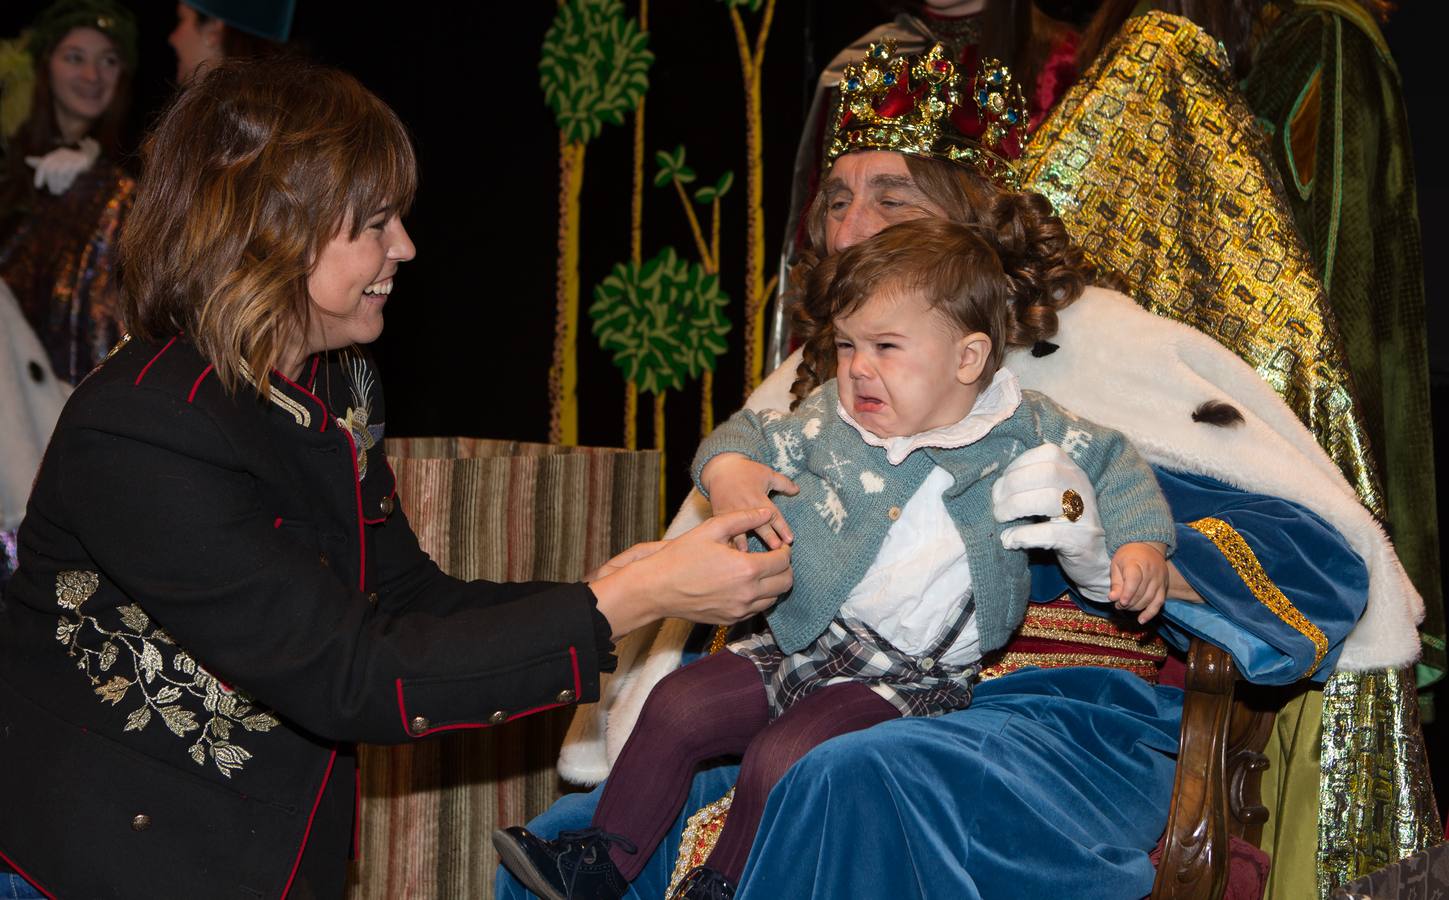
x=1245, y=563
x=164, y=691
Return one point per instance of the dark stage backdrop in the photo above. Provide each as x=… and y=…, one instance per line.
x=470, y=338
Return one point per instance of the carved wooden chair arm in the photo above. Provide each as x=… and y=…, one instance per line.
x=1219, y=767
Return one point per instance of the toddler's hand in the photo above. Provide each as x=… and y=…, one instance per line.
x=734, y=482
x=1139, y=578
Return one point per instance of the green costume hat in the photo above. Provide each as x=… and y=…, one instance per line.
x=270, y=19
x=106, y=16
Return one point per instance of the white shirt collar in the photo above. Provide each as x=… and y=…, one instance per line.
x=993, y=406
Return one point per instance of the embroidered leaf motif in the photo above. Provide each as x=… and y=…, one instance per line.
x=74, y=588
x=150, y=661
x=260, y=722
x=228, y=757
x=114, y=691
x=133, y=618
x=179, y=719
x=162, y=693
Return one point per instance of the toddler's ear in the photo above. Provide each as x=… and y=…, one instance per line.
x=975, y=351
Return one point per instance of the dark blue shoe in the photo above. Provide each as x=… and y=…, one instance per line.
x=576, y=866
x=703, y=883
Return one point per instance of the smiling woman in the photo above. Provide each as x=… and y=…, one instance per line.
x=218, y=591
x=62, y=196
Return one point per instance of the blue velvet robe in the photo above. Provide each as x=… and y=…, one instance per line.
x=1054, y=782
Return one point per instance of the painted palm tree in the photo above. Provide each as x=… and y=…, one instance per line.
x=594, y=69
x=757, y=289
x=665, y=323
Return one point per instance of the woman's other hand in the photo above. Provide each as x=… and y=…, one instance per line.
x=698, y=576
x=733, y=482
x=1033, y=486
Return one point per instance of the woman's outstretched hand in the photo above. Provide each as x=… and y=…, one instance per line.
x=698, y=576
x=736, y=482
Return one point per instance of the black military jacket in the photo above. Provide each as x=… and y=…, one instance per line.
x=216, y=596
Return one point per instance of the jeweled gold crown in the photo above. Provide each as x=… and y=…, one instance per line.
x=914, y=104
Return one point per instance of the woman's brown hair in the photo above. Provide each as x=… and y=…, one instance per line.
x=249, y=174
x=1046, y=268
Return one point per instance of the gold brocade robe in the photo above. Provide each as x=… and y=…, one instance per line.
x=1157, y=166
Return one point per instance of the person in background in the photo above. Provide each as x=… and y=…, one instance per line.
x=208, y=31
x=63, y=195
x=65, y=84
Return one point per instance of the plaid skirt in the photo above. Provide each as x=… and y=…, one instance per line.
x=851, y=650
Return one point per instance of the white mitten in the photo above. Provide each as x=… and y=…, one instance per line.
x=1033, y=485
x=57, y=170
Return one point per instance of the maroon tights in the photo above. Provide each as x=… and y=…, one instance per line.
x=717, y=707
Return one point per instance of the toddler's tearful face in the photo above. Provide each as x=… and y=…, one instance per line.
x=902, y=367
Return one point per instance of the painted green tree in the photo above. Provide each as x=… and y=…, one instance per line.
x=594, y=68
x=664, y=321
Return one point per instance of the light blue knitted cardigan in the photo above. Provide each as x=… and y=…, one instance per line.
x=850, y=495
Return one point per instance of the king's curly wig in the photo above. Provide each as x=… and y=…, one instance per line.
x=1046, y=268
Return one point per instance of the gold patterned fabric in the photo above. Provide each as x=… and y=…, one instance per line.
x=1245, y=563
x=1376, y=795
x=701, y=833
x=1057, y=634
x=1155, y=164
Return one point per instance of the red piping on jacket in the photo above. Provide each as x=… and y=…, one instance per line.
x=356, y=481
x=197, y=386
x=403, y=708
x=326, y=776
x=21, y=872
x=146, y=368
x=361, y=532
x=312, y=378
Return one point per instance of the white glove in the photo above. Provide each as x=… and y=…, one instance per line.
x=57, y=170
x=1033, y=486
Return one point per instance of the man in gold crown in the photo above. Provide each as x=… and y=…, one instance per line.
x=1056, y=782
